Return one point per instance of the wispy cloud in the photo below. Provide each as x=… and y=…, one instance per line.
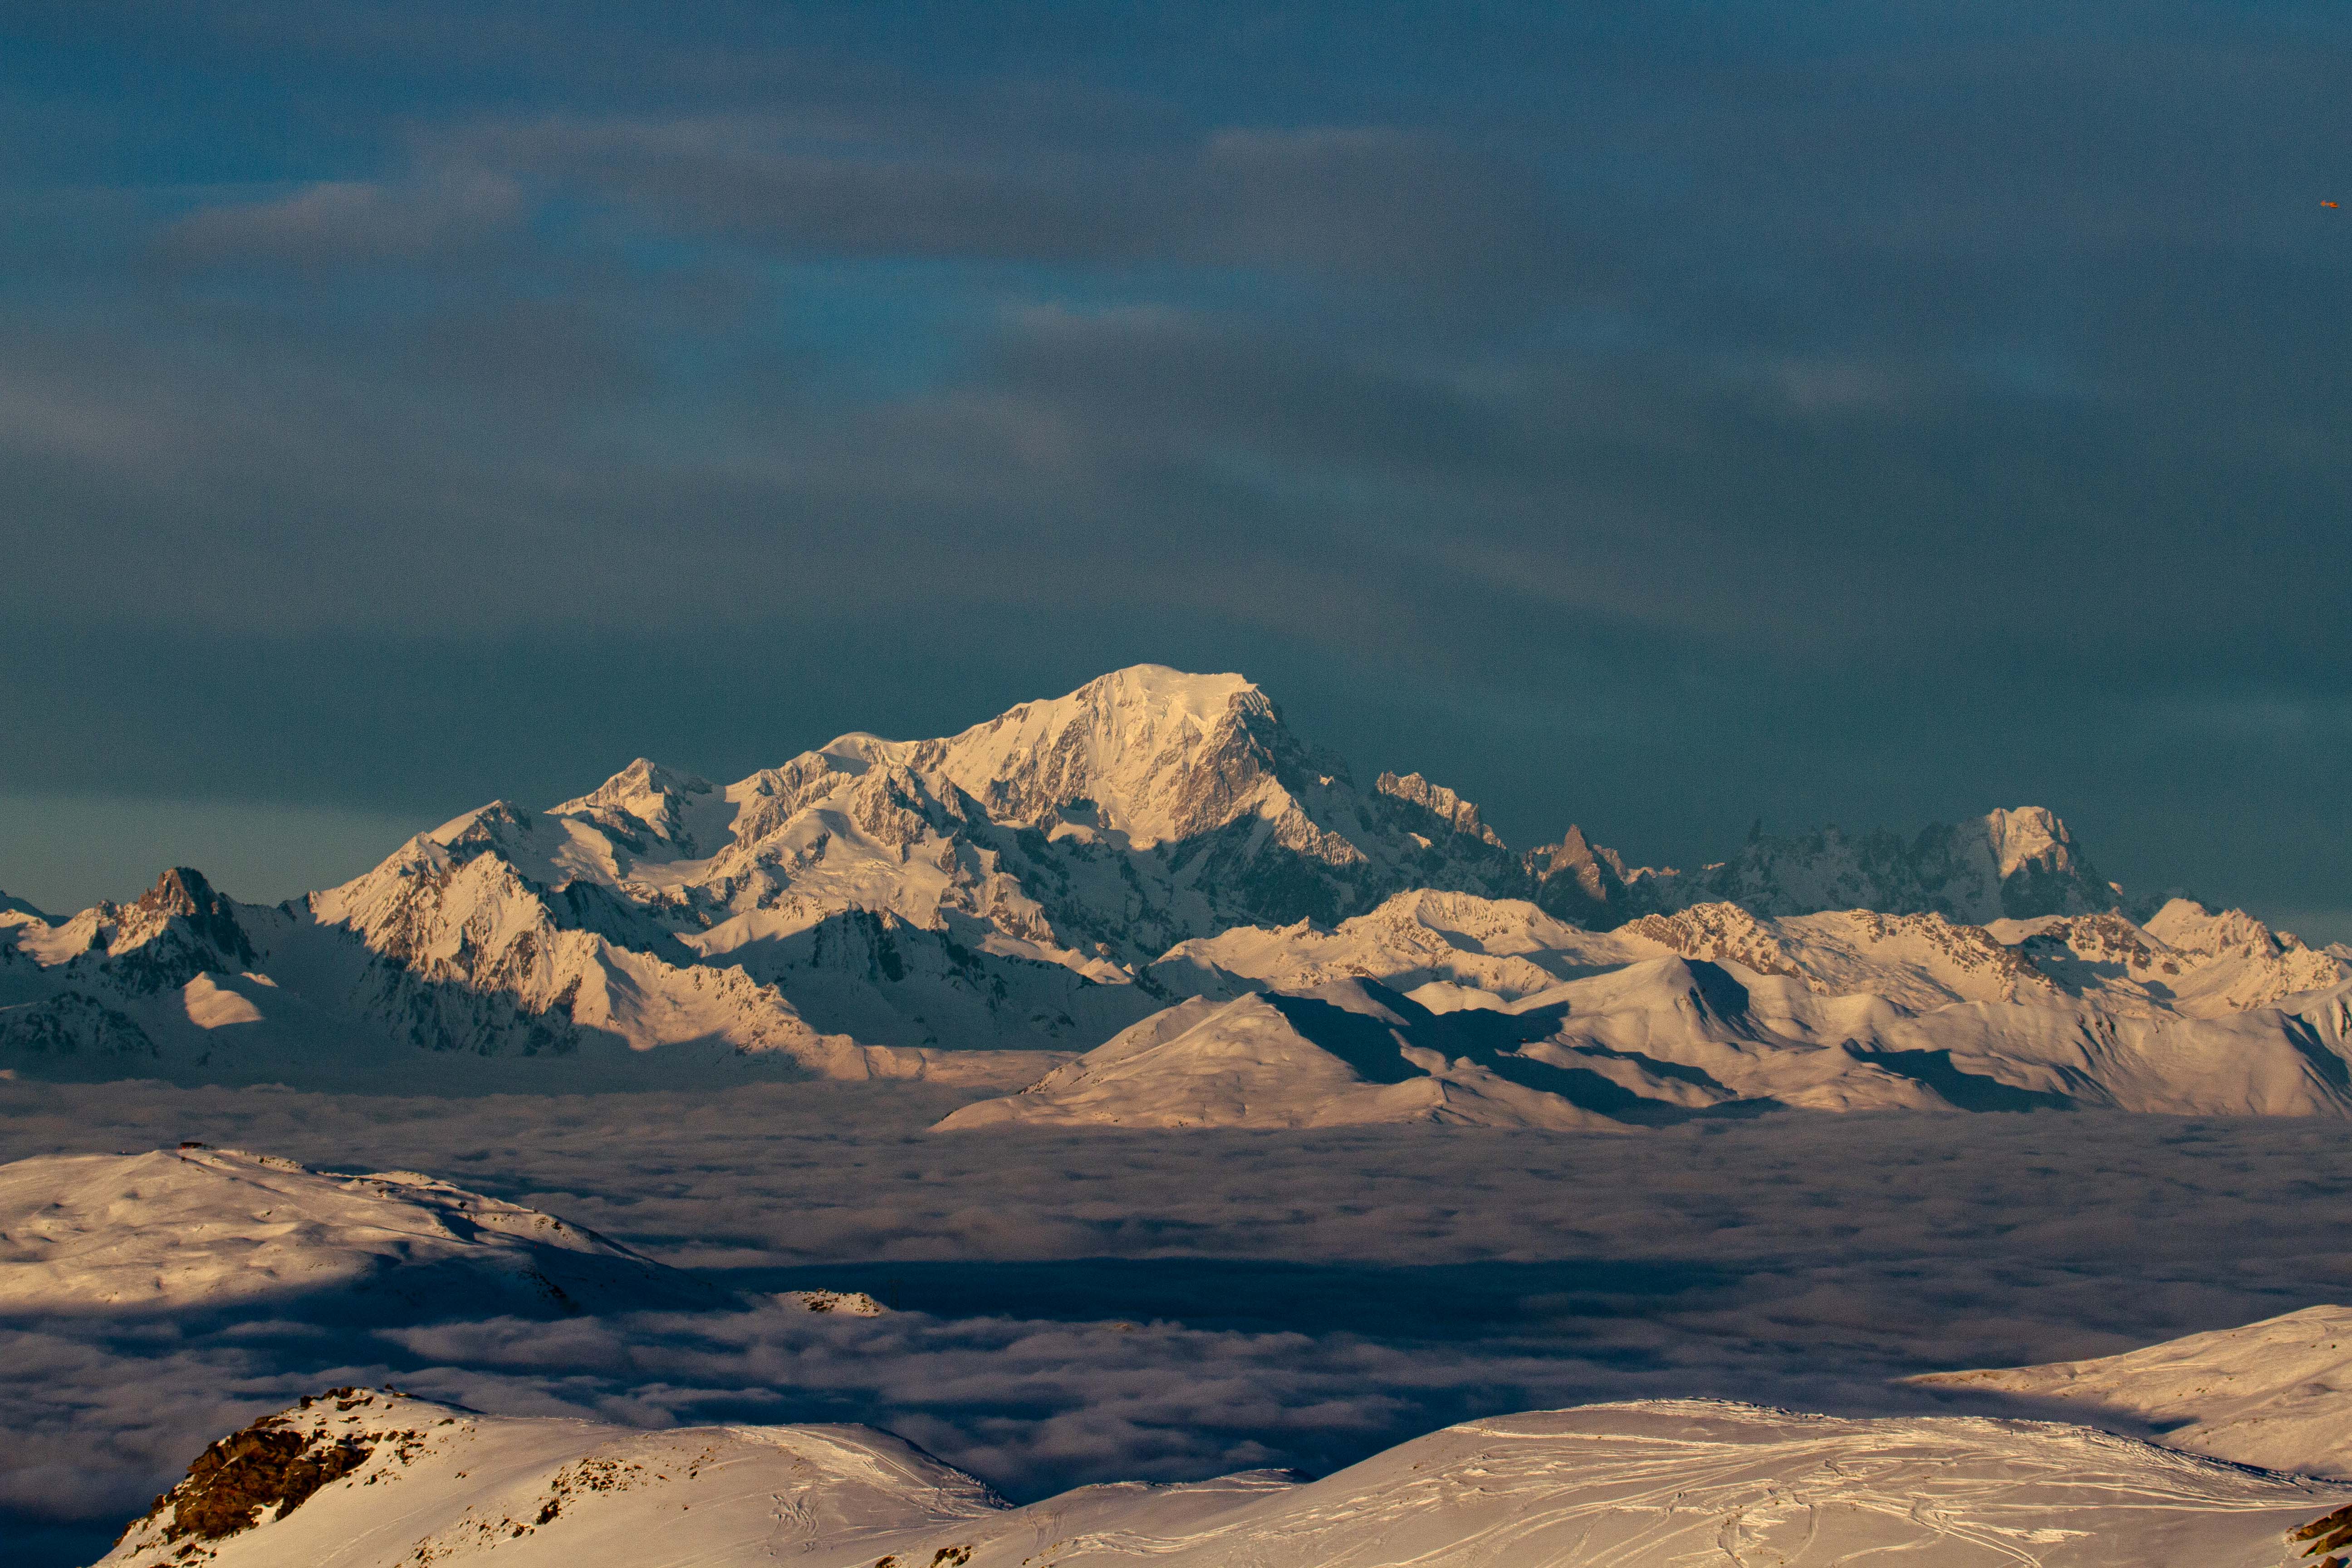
x=353, y=222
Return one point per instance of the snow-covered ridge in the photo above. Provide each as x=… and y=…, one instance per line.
x=1447, y=1007
x=195, y=1228
x=371, y=1479
x=17, y=912
x=2276, y=1393
x=366, y=1477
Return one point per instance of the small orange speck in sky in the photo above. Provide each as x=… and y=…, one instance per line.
x=2327, y=204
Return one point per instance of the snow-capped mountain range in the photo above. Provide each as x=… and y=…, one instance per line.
x=949, y=908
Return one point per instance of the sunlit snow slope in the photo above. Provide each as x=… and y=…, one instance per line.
x=362, y=1480
x=194, y=1229
x=2276, y=1393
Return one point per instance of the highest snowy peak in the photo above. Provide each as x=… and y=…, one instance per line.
x=1147, y=807
x=1151, y=753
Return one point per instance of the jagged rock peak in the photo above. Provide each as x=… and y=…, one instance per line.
x=1439, y=802
x=1577, y=881
x=182, y=890
x=1575, y=854
x=2029, y=835
x=183, y=894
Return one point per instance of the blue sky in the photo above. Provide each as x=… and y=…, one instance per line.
x=1648, y=417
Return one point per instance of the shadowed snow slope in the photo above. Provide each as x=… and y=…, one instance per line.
x=1344, y=1053
x=370, y=1480
x=199, y=1229
x=2006, y=864
x=2276, y=1393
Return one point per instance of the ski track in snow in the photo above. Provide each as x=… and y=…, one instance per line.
x=1092, y=1306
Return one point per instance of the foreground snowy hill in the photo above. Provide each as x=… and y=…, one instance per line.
x=1343, y=1054
x=979, y=908
x=2276, y=1393
x=376, y=1477
x=194, y=1229
x=358, y=1480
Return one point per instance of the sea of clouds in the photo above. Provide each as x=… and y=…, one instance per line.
x=1096, y=1305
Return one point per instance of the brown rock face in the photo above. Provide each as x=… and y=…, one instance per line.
x=1578, y=881
x=183, y=892
x=2326, y=1534
x=267, y=1465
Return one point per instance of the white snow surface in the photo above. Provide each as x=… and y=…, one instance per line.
x=2276, y=1393
x=1499, y=948
x=1649, y=1482
x=195, y=1228
x=442, y=1484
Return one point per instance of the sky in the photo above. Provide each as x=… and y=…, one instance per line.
x=1655, y=417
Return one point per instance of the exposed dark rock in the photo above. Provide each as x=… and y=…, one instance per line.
x=270, y=1465
x=2326, y=1534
